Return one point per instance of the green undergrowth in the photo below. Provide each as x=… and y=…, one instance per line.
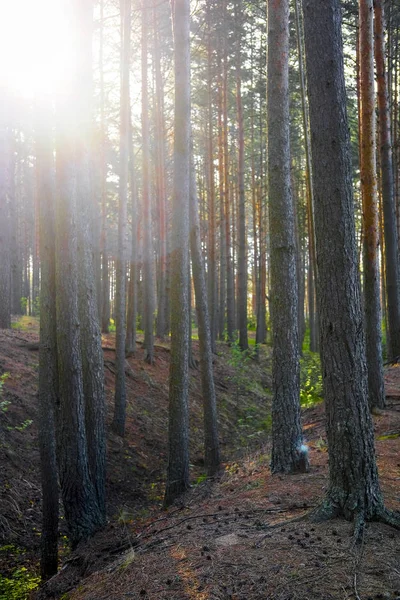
x=310, y=379
x=19, y=584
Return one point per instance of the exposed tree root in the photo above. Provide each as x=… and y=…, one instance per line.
x=329, y=510
x=389, y=517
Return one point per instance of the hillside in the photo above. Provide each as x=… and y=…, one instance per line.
x=237, y=538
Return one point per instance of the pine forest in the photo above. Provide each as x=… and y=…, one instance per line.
x=200, y=299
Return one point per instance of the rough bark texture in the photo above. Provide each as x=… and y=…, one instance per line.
x=353, y=490
x=178, y=430
x=386, y=164
x=91, y=352
x=48, y=375
x=286, y=426
x=81, y=509
x=372, y=304
x=211, y=445
x=120, y=296
x=83, y=513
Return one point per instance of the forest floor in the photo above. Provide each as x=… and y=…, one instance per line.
x=235, y=538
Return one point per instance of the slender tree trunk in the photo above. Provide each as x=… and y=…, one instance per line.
x=105, y=280
x=161, y=186
x=390, y=231
x=120, y=300
x=370, y=209
x=313, y=317
x=148, y=260
x=242, y=262
x=211, y=445
x=222, y=237
x=178, y=429
x=133, y=274
x=286, y=426
x=212, y=267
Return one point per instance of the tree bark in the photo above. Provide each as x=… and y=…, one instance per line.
x=390, y=230
x=372, y=305
x=178, y=427
x=242, y=256
x=211, y=445
x=353, y=490
x=286, y=425
x=48, y=375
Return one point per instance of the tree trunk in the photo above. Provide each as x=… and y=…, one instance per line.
x=242, y=262
x=105, y=279
x=211, y=445
x=390, y=230
x=48, y=375
x=160, y=186
x=133, y=273
x=120, y=299
x=91, y=352
x=178, y=430
x=370, y=209
x=353, y=490
x=286, y=426
x=212, y=267
x=147, y=261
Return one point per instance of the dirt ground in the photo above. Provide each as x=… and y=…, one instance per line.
x=234, y=538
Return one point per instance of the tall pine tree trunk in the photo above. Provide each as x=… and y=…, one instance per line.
x=286, y=425
x=48, y=369
x=147, y=257
x=178, y=427
x=353, y=490
x=370, y=209
x=120, y=298
x=390, y=231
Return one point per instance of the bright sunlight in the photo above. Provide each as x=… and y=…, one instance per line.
x=35, y=50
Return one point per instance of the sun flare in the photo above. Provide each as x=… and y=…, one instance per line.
x=35, y=53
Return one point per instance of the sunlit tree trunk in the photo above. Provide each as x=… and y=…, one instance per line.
x=353, y=490
x=91, y=351
x=370, y=208
x=390, y=230
x=120, y=299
